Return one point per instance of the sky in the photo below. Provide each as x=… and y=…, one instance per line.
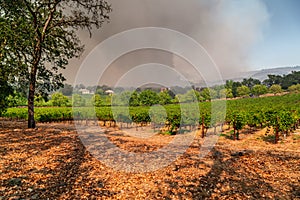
x=280, y=42
x=238, y=35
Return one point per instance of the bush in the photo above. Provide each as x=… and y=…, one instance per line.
x=58, y=99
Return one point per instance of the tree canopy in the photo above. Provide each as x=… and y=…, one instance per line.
x=39, y=37
x=243, y=91
x=259, y=90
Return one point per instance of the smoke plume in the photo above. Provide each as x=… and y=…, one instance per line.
x=227, y=29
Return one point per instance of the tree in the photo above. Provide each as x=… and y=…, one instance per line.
x=205, y=94
x=58, y=99
x=225, y=93
x=191, y=96
x=273, y=79
x=121, y=99
x=97, y=100
x=6, y=62
x=290, y=79
x=294, y=88
x=67, y=90
x=164, y=97
x=46, y=36
x=229, y=84
x=134, y=99
x=243, y=91
x=16, y=99
x=259, y=90
x=78, y=100
x=250, y=82
x=213, y=93
x=39, y=101
x=148, y=98
x=234, y=89
x=275, y=89
x=100, y=91
x=5, y=92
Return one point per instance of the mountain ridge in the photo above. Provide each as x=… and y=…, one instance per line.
x=262, y=74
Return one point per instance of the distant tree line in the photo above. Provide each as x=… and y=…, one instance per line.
x=273, y=84
x=81, y=95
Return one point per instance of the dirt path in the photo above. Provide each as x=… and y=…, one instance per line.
x=50, y=162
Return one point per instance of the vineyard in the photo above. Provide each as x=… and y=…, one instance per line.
x=282, y=113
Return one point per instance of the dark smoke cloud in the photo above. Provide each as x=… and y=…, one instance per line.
x=227, y=29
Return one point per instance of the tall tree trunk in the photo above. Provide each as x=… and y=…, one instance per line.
x=32, y=84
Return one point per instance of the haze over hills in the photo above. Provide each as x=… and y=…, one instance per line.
x=238, y=76
x=263, y=73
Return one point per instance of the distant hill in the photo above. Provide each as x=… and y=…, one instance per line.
x=263, y=74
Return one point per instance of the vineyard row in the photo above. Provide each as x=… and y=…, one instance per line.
x=282, y=113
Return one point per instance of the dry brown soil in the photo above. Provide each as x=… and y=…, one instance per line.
x=50, y=162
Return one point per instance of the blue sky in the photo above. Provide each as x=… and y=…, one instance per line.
x=280, y=44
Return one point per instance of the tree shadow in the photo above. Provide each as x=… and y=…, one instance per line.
x=268, y=138
x=49, y=166
x=228, y=179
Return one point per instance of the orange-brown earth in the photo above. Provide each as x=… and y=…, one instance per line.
x=50, y=162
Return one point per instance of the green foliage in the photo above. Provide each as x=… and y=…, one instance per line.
x=97, y=100
x=281, y=120
x=280, y=112
x=205, y=94
x=134, y=99
x=258, y=90
x=284, y=81
x=100, y=91
x=58, y=99
x=67, y=90
x=78, y=100
x=158, y=114
x=16, y=99
x=294, y=88
x=238, y=121
x=107, y=100
x=5, y=88
x=5, y=92
x=39, y=101
x=190, y=96
x=39, y=37
x=43, y=34
x=275, y=89
x=231, y=85
x=148, y=98
x=243, y=91
x=164, y=98
x=250, y=82
x=122, y=99
x=272, y=80
x=223, y=93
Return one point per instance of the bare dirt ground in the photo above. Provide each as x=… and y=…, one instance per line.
x=50, y=162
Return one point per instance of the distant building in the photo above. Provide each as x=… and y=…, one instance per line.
x=85, y=91
x=164, y=89
x=109, y=92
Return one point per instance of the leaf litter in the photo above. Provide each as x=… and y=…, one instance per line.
x=50, y=162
